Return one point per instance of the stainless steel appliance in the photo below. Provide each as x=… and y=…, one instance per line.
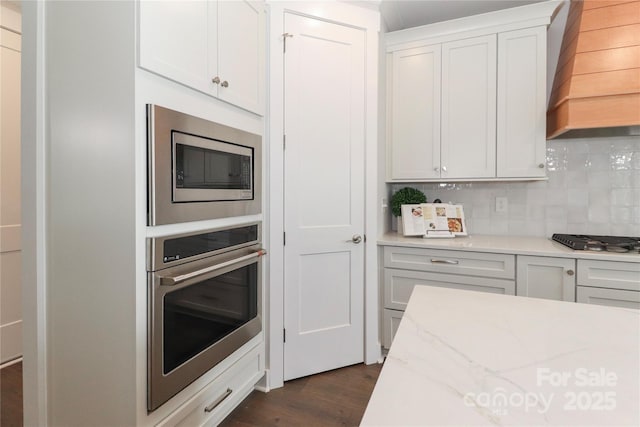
x=199, y=170
x=599, y=243
x=204, y=303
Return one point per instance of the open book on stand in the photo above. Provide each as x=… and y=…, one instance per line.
x=433, y=220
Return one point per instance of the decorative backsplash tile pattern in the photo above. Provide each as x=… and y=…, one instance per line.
x=593, y=187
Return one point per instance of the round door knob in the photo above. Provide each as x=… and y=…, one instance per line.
x=355, y=239
x=224, y=84
x=216, y=80
x=570, y=272
x=541, y=165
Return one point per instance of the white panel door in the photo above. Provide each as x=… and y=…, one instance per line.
x=545, y=277
x=468, y=133
x=240, y=53
x=414, y=146
x=324, y=196
x=521, y=122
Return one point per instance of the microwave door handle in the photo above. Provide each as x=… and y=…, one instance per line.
x=171, y=281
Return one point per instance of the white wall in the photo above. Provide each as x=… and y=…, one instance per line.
x=10, y=202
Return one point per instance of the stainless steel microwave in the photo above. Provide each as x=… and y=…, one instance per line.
x=198, y=169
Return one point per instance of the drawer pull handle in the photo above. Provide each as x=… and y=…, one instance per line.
x=444, y=261
x=218, y=401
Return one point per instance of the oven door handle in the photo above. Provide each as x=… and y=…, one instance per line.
x=171, y=281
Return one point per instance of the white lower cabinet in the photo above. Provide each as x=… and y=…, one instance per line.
x=406, y=268
x=399, y=285
x=390, y=322
x=546, y=277
x=218, y=398
x=611, y=283
x=610, y=297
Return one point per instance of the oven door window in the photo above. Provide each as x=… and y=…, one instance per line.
x=207, y=164
x=197, y=316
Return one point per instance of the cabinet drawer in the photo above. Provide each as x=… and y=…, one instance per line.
x=390, y=322
x=610, y=297
x=398, y=285
x=609, y=274
x=218, y=398
x=499, y=266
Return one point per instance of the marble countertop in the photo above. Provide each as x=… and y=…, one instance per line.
x=470, y=358
x=518, y=245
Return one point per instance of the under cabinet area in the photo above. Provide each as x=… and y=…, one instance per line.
x=610, y=283
x=468, y=105
x=546, y=277
x=216, y=47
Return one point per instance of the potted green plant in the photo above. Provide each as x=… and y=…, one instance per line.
x=405, y=196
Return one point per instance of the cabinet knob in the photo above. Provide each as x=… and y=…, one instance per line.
x=570, y=272
x=224, y=84
x=444, y=169
x=216, y=80
x=437, y=169
x=541, y=165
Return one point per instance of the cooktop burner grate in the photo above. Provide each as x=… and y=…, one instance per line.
x=599, y=243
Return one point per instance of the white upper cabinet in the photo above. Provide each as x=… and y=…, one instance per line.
x=467, y=98
x=468, y=129
x=521, y=139
x=415, y=112
x=174, y=40
x=241, y=53
x=216, y=47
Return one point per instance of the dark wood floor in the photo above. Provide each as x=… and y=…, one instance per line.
x=11, y=396
x=334, y=398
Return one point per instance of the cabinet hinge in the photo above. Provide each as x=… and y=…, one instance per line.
x=284, y=142
x=284, y=238
x=284, y=335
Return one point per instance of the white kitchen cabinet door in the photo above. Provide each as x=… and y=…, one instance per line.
x=608, y=297
x=521, y=121
x=240, y=54
x=414, y=145
x=398, y=285
x=545, y=277
x=468, y=133
x=174, y=41
x=609, y=274
x=390, y=323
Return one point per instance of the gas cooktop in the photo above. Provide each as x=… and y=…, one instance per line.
x=599, y=243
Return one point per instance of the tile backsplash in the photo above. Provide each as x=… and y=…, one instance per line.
x=593, y=187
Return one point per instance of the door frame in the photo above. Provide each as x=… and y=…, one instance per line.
x=369, y=21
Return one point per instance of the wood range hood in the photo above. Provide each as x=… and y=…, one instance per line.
x=596, y=89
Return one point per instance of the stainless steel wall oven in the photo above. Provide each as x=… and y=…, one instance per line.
x=204, y=303
x=199, y=169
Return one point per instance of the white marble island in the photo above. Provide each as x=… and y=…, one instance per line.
x=469, y=358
